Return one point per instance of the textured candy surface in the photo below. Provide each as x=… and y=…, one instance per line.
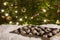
x=37, y=31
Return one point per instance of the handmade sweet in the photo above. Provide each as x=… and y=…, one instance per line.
x=33, y=30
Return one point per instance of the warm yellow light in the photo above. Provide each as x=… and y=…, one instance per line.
x=20, y=19
x=6, y=14
x=16, y=11
x=45, y=20
x=57, y=22
x=11, y=4
x=5, y=3
x=17, y=23
x=2, y=10
x=10, y=22
x=44, y=10
x=25, y=17
x=31, y=17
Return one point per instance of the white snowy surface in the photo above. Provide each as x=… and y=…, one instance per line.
x=51, y=26
x=5, y=35
x=7, y=28
x=10, y=36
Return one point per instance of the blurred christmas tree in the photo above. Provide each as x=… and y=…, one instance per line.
x=29, y=11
